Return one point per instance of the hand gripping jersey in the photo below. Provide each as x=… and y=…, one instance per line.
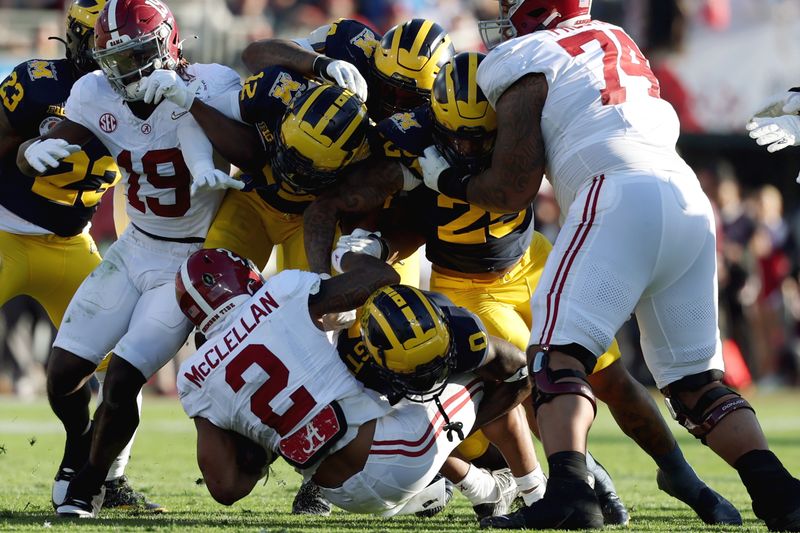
x=458, y=236
x=272, y=374
x=346, y=40
x=147, y=151
x=62, y=200
x=603, y=111
x=470, y=342
x=262, y=102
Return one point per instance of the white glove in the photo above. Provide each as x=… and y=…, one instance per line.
x=433, y=164
x=215, y=179
x=360, y=241
x=777, y=132
x=341, y=73
x=785, y=103
x=48, y=153
x=167, y=84
x=337, y=321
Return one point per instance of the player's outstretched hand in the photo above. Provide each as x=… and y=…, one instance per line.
x=48, y=153
x=338, y=321
x=433, y=164
x=360, y=241
x=167, y=84
x=215, y=179
x=775, y=132
x=341, y=73
x=785, y=103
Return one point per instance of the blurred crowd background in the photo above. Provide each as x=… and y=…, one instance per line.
x=717, y=61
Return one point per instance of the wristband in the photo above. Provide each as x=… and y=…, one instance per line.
x=320, y=65
x=384, y=245
x=453, y=183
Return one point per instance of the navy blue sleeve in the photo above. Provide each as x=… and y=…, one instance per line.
x=469, y=336
x=266, y=95
x=351, y=41
x=28, y=93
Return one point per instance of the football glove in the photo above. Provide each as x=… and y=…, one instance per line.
x=342, y=73
x=48, y=153
x=215, y=179
x=167, y=84
x=360, y=241
x=432, y=163
x=338, y=321
x=775, y=132
x=785, y=103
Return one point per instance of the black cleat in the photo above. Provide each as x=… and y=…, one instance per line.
x=567, y=504
x=710, y=507
x=120, y=495
x=787, y=522
x=309, y=500
x=614, y=511
x=448, y=495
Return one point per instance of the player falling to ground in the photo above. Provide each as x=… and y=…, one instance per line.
x=575, y=98
x=264, y=353
x=126, y=305
x=45, y=248
x=488, y=262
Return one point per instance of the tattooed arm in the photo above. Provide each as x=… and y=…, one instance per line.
x=513, y=180
x=366, y=187
x=363, y=275
x=261, y=54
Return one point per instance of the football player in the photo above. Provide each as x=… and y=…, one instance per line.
x=125, y=306
x=399, y=66
x=299, y=136
x=638, y=237
x=265, y=341
x=488, y=263
x=45, y=248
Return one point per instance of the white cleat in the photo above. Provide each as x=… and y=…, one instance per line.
x=74, y=507
x=60, y=486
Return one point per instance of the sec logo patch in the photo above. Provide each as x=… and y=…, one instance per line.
x=108, y=122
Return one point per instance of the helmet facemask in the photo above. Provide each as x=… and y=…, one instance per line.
x=80, y=41
x=467, y=148
x=127, y=62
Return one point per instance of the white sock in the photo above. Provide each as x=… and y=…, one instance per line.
x=532, y=485
x=117, y=469
x=478, y=486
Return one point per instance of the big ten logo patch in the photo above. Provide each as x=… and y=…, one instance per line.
x=365, y=41
x=108, y=122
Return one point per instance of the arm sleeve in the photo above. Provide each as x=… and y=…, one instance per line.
x=16, y=98
x=196, y=148
x=316, y=39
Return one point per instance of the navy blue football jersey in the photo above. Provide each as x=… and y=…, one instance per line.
x=263, y=100
x=470, y=343
x=458, y=236
x=62, y=200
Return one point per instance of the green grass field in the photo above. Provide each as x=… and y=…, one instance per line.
x=163, y=465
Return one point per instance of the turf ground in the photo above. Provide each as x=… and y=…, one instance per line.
x=163, y=465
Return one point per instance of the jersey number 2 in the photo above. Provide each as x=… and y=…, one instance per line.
x=277, y=380
x=626, y=57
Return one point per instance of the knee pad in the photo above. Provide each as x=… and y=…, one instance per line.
x=547, y=383
x=701, y=419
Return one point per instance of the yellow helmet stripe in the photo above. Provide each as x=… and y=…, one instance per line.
x=472, y=85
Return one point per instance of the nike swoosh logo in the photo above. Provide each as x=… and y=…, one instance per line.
x=176, y=116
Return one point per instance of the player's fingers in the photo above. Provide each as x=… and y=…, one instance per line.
x=763, y=130
x=72, y=148
x=151, y=86
x=233, y=183
x=48, y=160
x=769, y=138
x=37, y=165
x=361, y=88
x=750, y=126
x=779, y=145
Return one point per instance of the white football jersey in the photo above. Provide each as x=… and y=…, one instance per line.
x=148, y=152
x=603, y=111
x=271, y=370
